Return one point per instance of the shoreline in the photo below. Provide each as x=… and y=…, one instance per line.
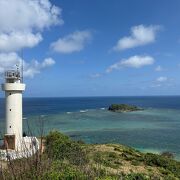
x=101, y=126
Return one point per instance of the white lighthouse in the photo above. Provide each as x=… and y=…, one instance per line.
x=13, y=88
x=15, y=145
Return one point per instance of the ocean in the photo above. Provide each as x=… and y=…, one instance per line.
x=155, y=129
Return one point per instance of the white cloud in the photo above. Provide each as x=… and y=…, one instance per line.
x=35, y=67
x=140, y=35
x=25, y=15
x=73, y=42
x=96, y=75
x=9, y=60
x=156, y=85
x=17, y=40
x=161, y=79
x=48, y=62
x=22, y=21
x=158, y=68
x=133, y=62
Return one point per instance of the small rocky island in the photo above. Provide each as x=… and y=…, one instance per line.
x=123, y=108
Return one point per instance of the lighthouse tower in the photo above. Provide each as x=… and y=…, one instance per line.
x=13, y=88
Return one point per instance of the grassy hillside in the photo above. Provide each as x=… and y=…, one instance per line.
x=67, y=159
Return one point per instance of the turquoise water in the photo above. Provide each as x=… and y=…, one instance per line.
x=151, y=130
x=155, y=129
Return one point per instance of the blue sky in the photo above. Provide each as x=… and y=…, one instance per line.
x=93, y=47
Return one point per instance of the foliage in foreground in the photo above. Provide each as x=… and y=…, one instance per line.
x=67, y=159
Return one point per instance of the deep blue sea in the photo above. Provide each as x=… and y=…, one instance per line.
x=155, y=129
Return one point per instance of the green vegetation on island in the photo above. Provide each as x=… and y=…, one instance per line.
x=123, y=108
x=65, y=159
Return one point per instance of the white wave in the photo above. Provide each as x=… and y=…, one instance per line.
x=83, y=111
x=42, y=115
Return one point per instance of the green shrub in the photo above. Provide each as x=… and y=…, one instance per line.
x=135, y=163
x=112, y=155
x=117, y=149
x=136, y=176
x=167, y=154
x=61, y=147
x=109, y=178
x=153, y=159
x=169, y=165
x=108, y=159
x=61, y=171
